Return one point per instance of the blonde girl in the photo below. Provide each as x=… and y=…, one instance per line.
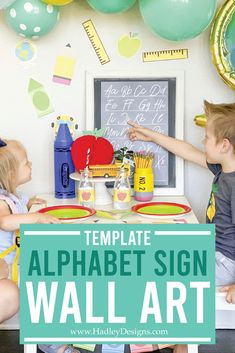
x=15, y=170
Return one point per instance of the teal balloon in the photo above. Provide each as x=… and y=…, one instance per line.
x=177, y=19
x=5, y=3
x=31, y=18
x=111, y=6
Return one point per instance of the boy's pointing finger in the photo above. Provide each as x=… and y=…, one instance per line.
x=131, y=123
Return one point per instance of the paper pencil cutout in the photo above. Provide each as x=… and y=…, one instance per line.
x=63, y=71
x=39, y=98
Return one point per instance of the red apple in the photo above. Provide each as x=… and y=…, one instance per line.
x=101, y=151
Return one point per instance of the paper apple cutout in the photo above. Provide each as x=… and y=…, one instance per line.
x=121, y=196
x=128, y=45
x=101, y=151
x=86, y=195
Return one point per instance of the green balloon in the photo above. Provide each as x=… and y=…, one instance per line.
x=111, y=6
x=31, y=18
x=177, y=19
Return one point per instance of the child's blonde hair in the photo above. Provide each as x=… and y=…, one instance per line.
x=9, y=165
x=222, y=117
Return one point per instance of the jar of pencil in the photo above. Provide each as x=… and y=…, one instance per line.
x=143, y=177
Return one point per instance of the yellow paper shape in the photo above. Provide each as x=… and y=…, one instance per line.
x=64, y=69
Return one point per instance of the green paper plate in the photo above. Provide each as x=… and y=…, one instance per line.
x=69, y=213
x=161, y=209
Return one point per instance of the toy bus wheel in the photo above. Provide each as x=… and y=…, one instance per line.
x=106, y=175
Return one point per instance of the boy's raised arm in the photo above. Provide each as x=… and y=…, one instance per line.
x=180, y=148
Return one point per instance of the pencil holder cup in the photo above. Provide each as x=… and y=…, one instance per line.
x=143, y=184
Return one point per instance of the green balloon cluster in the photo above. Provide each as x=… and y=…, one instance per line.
x=177, y=19
x=31, y=18
x=111, y=6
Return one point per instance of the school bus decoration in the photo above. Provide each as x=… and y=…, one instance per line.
x=107, y=170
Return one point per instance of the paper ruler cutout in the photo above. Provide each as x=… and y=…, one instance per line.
x=171, y=54
x=96, y=42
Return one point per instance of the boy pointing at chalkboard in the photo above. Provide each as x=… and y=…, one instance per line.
x=219, y=157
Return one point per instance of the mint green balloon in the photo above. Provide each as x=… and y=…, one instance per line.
x=31, y=18
x=111, y=6
x=177, y=19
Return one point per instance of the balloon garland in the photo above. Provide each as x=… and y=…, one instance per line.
x=31, y=18
x=174, y=20
x=111, y=6
x=223, y=42
x=177, y=20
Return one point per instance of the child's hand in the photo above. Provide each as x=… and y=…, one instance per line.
x=46, y=218
x=230, y=297
x=3, y=269
x=36, y=201
x=138, y=132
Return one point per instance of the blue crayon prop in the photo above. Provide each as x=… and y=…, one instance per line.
x=63, y=164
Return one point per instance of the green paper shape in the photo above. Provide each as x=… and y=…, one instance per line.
x=69, y=213
x=161, y=209
x=39, y=98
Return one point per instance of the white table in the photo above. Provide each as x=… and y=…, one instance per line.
x=132, y=218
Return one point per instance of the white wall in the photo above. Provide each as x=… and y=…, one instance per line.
x=19, y=120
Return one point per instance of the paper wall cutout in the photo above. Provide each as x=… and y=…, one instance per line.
x=88, y=347
x=96, y=42
x=64, y=69
x=40, y=98
x=62, y=119
x=128, y=45
x=25, y=51
x=171, y=54
x=113, y=348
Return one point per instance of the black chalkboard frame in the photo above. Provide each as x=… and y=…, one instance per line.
x=176, y=179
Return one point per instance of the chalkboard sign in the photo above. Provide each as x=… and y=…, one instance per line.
x=148, y=101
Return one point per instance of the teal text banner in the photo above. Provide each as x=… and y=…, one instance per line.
x=138, y=283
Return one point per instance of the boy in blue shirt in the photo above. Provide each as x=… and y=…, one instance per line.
x=219, y=157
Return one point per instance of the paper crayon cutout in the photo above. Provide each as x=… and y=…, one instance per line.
x=62, y=119
x=128, y=45
x=96, y=42
x=39, y=98
x=88, y=347
x=113, y=348
x=64, y=68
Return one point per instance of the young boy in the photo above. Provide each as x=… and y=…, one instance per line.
x=219, y=157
